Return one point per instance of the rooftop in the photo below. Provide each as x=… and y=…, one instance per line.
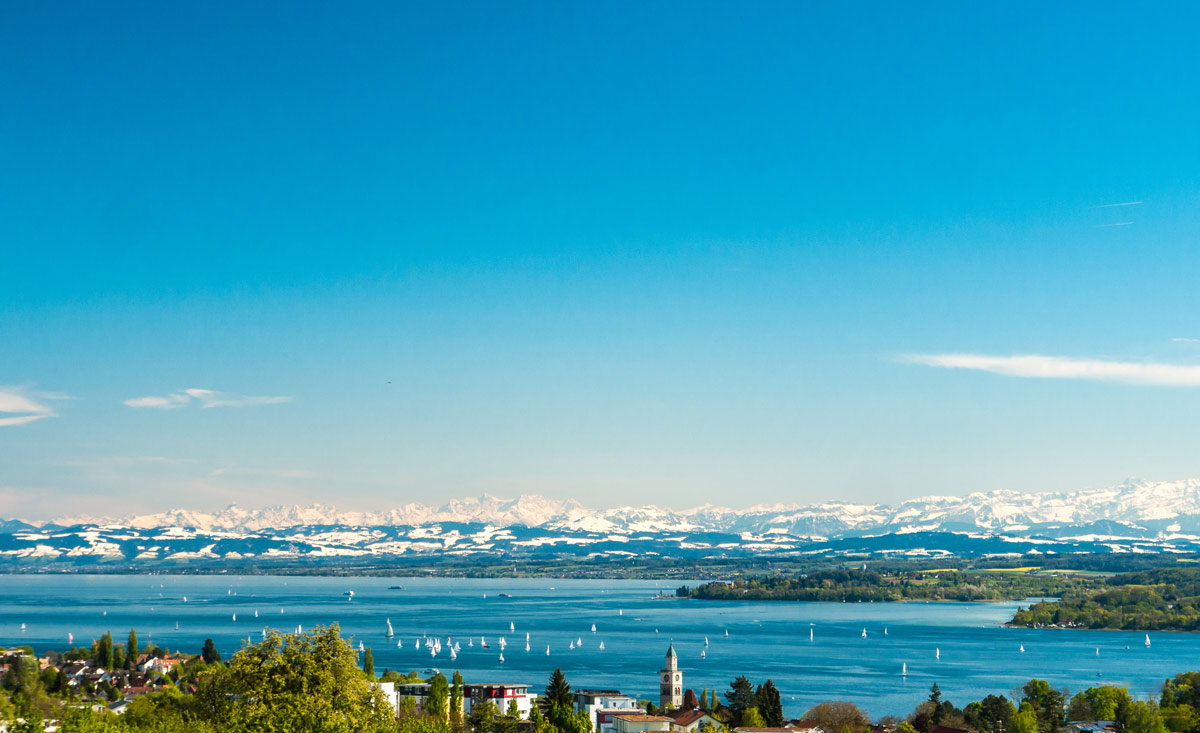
x=643, y=718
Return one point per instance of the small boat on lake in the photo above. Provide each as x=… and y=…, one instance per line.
x=389, y=633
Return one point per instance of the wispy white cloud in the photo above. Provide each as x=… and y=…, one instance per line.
x=20, y=406
x=205, y=398
x=1123, y=203
x=1037, y=366
x=1185, y=340
x=270, y=472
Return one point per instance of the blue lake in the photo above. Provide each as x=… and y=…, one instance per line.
x=766, y=640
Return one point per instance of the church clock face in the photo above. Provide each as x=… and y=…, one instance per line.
x=676, y=678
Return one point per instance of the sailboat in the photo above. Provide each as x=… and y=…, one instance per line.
x=501, y=657
x=256, y=613
x=70, y=638
x=299, y=629
x=526, y=637
x=593, y=628
x=483, y=642
x=547, y=650
x=399, y=643
x=904, y=669
x=360, y=646
x=433, y=651
x=177, y=626
x=185, y=599
x=937, y=654
x=1147, y=640
x=601, y=646
x=572, y=645
x=579, y=641
x=1022, y=648
x=22, y=627
x=235, y=617
x=511, y=626
x=864, y=633
x=620, y=612
x=527, y=645
x=470, y=641
x=885, y=631
x=1097, y=651
x=389, y=633
x=726, y=633
x=810, y=633
x=454, y=654
x=503, y=643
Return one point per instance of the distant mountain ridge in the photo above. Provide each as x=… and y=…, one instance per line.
x=1157, y=517
x=1152, y=504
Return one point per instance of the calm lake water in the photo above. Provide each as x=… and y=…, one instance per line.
x=766, y=640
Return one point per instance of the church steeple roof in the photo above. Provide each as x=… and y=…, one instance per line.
x=671, y=651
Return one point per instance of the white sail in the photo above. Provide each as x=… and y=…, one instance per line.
x=937, y=653
x=579, y=641
x=547, y=650
x=235, y=617
x=864, y=633
x=571, y=646
x=601, y=646
x=593, y=628
x=511, y=626
x=454, y=654
x=526, y=637
x=360, y=646
x=702, y=654
x=527, y=645
x=185, y=599
x=904, y=669
x=726, y=633
x=399, y=643
x=810, y=633
x=390, y=634
x=885, y=631
x=1022, y=648
x=502, y=657
x=1147, y=640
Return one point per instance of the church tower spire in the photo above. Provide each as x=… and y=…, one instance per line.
x=670, y=689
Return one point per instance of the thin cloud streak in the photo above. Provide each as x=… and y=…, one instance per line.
x=205, y=397
x=1114, y=224
x=1036, y=366
x=1125, y=203
x=24, y=406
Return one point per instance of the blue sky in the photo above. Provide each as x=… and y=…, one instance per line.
x=669, y=252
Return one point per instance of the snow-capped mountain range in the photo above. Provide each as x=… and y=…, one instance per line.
x=1137, y=516
x=1146, y=503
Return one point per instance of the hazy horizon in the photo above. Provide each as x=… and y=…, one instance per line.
x=666, y=254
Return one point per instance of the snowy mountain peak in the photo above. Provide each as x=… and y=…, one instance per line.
x=1135, y=501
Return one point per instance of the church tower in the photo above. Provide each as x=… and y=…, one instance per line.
x=670, y=682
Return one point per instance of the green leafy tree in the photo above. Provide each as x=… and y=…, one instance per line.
x=436, y=704
x=1047, y=704
x=752, y=719
x=1105, y=701
x=369, y=664
x=740, y=698
x=770, y=705
x=1143, y=717
x=1025, y=721
x=306, y=682
x=558, y=692
x=992, y=714
x=131, y=649
x=839, y=715
x=1180, y=717
x=935, y=699
x=209, y=654
x=482, y=715
x=104, y=651
x=704, y=699
x=713, y=703
x=456, y=701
